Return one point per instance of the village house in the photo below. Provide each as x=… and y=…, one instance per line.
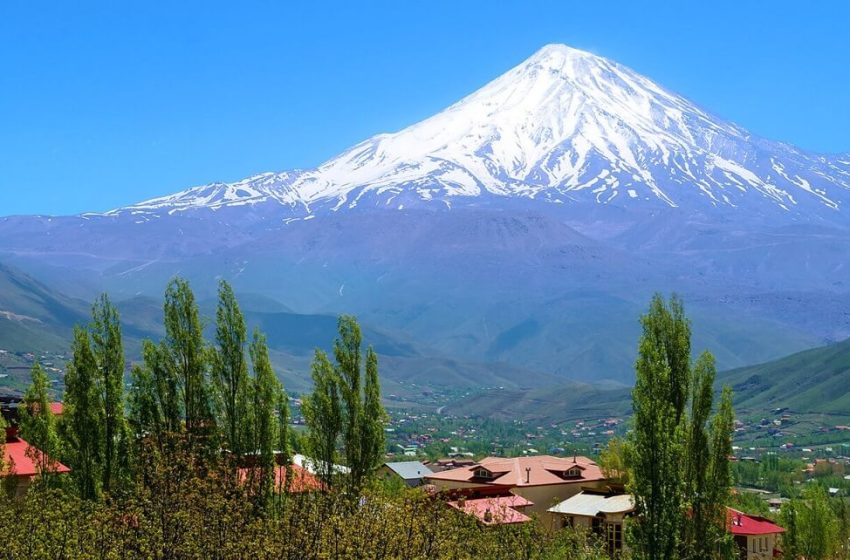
x=755, y=537
x=543, y=480
x=494, y=510
x=411, y=473
x=24, y=462
x=302, y=480
x=604, y=513
x=600, y=512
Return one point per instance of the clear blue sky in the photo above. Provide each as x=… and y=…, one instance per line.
x=105, y=104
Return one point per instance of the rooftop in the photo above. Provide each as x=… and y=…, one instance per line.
x=495, y=510
x=590, y=504
x=743, y=524
x=534, y=470
x=409, y=470
x=25, y=459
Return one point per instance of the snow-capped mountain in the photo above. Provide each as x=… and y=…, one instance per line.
x=564, y=127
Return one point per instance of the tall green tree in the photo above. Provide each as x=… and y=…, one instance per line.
x=656, y=443
x=38, y=424
x=678, y=456
x=718, y=481
x=187, y=357
x=108, y=347
x=266, y=398
x=373, y=439
x=322, y=411
x=816, y=524
x=347, y=352
x=230, y=370
x=82, y=419
x=697, y=543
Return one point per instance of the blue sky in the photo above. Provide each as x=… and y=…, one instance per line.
x=105, y=104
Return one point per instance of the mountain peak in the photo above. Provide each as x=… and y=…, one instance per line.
x=565, y=126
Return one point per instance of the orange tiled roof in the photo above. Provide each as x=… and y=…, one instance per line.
x=495, y=510
x=302, y=480
x=543, y=470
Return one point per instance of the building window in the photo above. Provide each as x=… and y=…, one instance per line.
x=614, y=537
x=482, y=473
x=573, y=473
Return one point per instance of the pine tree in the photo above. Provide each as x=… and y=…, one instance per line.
x=656, y=449
x=230, y=370
x=266, y=399
x=108, y=349
x=323, y=415
x=38, y=425
x=83, y=418
x=373, y=440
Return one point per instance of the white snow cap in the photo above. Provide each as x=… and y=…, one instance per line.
x=563, y=126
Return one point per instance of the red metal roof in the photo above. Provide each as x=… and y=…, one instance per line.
x=495, y=510
x=57, y=408
x=20, y=454
x=742, y=524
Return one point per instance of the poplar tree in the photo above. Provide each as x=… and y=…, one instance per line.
x=266, y=398
x=656, y=449
x=83, y=422
x=678, y=467
x=719, y=476
x=323, y=415
x=348, y=368
x=230, y=370
x=108, y=347
x=697, y=526
x=373, y=440
x=186, y=356
x=38, y=424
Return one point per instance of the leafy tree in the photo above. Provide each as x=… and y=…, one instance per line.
x=230, y=370
x=82, y=421
x=614, y=462
x=186, y=355
x=108, y=347
x=38, y=425
x=816, y=524
x=697, y=541
x=266, y=398
x=656, y=442
x=348, y=369
x=323, y=415
x=678, y=455
x=788, y=515
x=373, y=439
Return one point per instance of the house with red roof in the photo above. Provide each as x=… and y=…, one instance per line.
x=494, y=510
x=755, y=537
x=302, y=480
x=542, y=480
x=25, y=461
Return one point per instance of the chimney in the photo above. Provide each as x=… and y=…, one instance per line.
x=527, y=475
x=11, y=433
x=488, y=516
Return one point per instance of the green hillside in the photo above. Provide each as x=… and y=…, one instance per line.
x=812, y=381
